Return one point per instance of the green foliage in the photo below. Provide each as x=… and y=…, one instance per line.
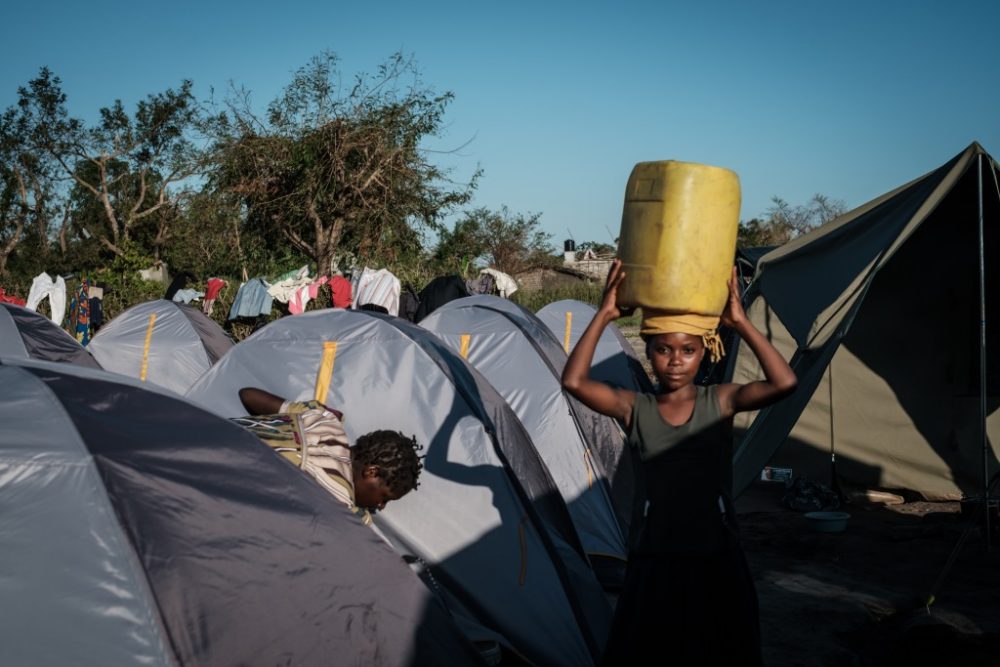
x=206, y=240
x=337, y=168
x=124, y=164
x=785, y=221
x=507, y=241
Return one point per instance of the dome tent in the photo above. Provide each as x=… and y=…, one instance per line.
x=486, y=519
x=24, y=334
x=168, y=343
x=582, y=449
x=615, y=361
x=139, y=529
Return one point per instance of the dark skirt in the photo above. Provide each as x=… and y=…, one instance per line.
x=686, y=609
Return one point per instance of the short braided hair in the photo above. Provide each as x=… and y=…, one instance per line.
x=396, y=456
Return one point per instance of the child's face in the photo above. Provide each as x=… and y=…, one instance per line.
x=675, y=358
x=370, y=490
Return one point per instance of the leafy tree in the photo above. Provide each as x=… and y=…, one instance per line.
x=509, y=242
x=785, y=221
x=127, y=163
x=27, y=191
x=339, y=168
x=459, y=249
x=206, y=238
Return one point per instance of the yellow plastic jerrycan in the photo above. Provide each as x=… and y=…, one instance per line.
x=678, y=237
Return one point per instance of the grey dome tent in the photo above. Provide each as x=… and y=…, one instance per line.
x=141, y=530
x=582, y=449
x=164, y=342
x=24, y=334
x=486, y=520
x=879, y=313
x=615, y=361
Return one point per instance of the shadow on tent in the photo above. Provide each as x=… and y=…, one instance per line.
x=884, y=305
x=548, y=512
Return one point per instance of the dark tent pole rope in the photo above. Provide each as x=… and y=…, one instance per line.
x=982, y=359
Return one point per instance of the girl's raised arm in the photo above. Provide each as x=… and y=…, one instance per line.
x=779, y=380
x=576, y=379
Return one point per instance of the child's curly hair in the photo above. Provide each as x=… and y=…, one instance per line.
x=396, y=456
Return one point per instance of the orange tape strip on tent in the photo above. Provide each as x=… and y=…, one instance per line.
x=145, y=348
x=464, y=351
x=325, y=373
x=569, y=326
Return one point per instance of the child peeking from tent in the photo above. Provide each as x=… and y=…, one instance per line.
x=688, y=589
x=380, y=467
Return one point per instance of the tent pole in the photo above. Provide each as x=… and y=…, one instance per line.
x=982, y=360
x=834, y=483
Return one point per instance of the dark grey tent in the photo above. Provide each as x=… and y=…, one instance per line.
x=141, y=530
x=879, y=312
x=583, y=450
x=24, y=334
x=168, y=343
x=486, y=519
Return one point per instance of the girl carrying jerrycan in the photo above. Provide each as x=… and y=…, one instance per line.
x=688, y=594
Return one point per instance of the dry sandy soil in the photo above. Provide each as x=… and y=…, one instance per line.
x=856, y=597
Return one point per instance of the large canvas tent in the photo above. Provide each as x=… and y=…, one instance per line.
x=879, y=312
x=486, y=520
x=164, y=342
x=583, y=450
x=141, y=530
x=24, y=334
x=615, y=360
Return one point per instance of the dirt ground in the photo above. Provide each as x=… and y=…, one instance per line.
x=855, y=597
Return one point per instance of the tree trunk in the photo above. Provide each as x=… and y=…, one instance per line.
x=9, y=246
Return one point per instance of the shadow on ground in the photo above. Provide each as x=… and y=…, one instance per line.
x=855, y=598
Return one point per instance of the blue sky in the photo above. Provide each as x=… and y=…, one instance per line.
x=556, y=101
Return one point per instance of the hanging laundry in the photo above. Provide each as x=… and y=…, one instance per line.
x=79, y=313
x=157, y=272
x=377, y=287
x=297, y=304
x=179, y=282
x=340, y=287
x=10, y=298
x=212, y=290
x=44, y=286
x=505, y=284
x=96, y=308
x=484, y=284
x=409, y=303
x=252, y=299
x=187, y=295
x=287, y=285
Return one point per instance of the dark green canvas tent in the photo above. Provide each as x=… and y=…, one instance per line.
x=879, y=313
